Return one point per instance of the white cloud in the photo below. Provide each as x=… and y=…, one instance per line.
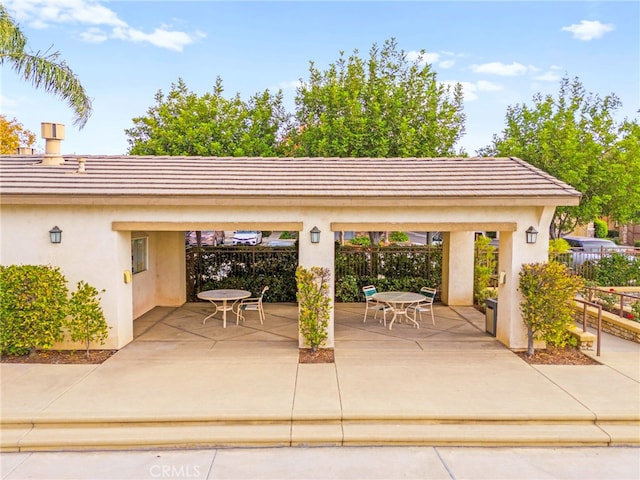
x=290, y=85
x=588, y=30
x=7, y=105
x=423, y=58
x=102, y=23
x=160, y=37
x=94, y=35
x=485, y=86
x=547, y=77
x=432, y=58
x=470, y=89
x=502, y=69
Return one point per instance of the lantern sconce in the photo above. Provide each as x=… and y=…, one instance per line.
x=315, y=235
x=55, y=234
x=532, y=235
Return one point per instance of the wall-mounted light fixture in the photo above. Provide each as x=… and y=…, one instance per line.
x=315, y=235
x=532, y=235
x=55, y=234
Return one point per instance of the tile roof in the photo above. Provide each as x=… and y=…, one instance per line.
x=212, y=177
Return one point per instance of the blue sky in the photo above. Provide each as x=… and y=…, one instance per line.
x=502, y=53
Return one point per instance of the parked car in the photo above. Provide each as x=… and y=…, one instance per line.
x=592, y=249
x=289, y=242
x=209, y=237
x=247, y=237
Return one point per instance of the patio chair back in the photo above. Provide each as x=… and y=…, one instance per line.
x=372, y=304
x=425, y=305
x=254, y=303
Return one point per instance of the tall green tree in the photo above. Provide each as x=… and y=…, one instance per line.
x=386, y=106
x=575, y=138
x=43, y=70
x=185, y=123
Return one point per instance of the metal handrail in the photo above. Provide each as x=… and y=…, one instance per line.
x=622, y=296
x=587, y=303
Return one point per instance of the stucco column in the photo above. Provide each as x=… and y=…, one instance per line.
x=170, y=263
x=319, y=255
x=457, y=268
x=514, y=251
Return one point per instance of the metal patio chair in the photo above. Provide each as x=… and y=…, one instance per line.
x=252, y=303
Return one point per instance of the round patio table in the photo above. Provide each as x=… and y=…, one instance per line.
x=399, y=301
x=224, y=296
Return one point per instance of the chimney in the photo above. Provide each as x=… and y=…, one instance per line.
x=26, y=151
x=53, y=133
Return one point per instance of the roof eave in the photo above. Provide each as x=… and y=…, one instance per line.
x=568, y=199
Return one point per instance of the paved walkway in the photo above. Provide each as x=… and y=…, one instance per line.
x=182, y=384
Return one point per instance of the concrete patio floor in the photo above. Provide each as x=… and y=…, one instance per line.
x=184, y=384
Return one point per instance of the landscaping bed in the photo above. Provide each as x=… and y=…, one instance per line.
x=558, y=356
x=60, y=357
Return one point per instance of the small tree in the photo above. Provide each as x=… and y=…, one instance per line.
x=86, y=322
x=314, y=305
x=547, y=290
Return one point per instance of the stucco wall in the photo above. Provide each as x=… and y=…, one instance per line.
x=90, y=251
x=93, y=251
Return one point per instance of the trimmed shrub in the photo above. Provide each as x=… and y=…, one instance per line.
x=601, y=230
x=33, y=306
x=347, y=289
x=558, y=245
x=617, y=269
x=399, y=237
x=362, y=241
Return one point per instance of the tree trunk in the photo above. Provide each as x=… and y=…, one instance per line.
x=375, y=237
x=529, y=341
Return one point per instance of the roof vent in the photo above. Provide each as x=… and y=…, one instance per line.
x=53, y=133
x=81, y=165
x=26, y=151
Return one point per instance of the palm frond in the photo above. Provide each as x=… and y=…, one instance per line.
x=45, y=71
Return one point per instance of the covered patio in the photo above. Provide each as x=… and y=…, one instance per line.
x=134, y=211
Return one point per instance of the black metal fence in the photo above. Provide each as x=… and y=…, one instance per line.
x=251, y=268
x=405, y=268
x=246, y=268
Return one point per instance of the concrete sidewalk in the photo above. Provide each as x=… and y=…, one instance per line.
x=184, y=384
x=309, y=463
